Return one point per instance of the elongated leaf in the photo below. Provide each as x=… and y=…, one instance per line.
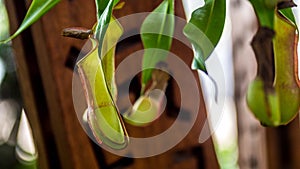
x=265, y=12
x=102, y=4
x=36, y=10
x=288, y=14
x=204, y=30
x=156, y=33
x=104, y=13
x=103, y=116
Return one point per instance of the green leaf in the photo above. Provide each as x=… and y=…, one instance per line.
x=103, y=116
x=204, y=30
x=36, y=10
x=156, y=33
x=102, y=4
x=288, y=14
x=104, y=14
x=265, y=12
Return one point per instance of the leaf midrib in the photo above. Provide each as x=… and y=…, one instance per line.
x=210, y=16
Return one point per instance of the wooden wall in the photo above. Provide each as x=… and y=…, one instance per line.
x=43, y=57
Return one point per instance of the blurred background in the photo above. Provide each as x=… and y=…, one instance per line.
x=39, y=127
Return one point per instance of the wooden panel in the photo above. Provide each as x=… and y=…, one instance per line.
x=27, y=87
x=73, y=144
x=283, y=147
x=292, y=143
x=166, y=160
x=72, y=147
x=55, y=118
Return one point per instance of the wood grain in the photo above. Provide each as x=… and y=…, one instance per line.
x=57, y=120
